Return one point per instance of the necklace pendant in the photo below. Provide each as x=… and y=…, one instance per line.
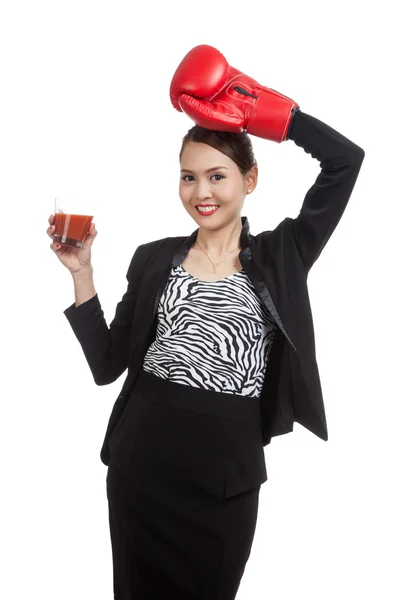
x=214, y=269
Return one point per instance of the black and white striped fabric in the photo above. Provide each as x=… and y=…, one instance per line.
x=211, y=335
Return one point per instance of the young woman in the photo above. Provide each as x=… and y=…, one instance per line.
x=216, y=332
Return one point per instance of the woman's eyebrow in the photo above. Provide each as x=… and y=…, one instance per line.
x=207, y=171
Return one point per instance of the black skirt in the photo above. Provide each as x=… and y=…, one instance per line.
x=186, y=465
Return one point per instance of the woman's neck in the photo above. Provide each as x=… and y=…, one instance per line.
x=219, y=242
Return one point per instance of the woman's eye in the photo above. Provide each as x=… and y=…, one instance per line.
x=185, y=177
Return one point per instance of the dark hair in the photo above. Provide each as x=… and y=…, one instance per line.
x=237, y=146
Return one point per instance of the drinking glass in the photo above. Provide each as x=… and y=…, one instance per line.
x=72, y=221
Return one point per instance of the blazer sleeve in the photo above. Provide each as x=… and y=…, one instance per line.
x=324, y=203
x=107, y=348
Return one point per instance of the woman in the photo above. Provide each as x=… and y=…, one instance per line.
x=200, y=322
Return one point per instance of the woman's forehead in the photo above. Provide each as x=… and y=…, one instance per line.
x=202, y=156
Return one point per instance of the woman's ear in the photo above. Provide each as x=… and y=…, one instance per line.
x=251, y=178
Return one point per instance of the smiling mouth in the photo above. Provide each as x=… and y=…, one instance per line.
x=207, y=210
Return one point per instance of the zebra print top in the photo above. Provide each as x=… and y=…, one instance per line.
x=213, y=335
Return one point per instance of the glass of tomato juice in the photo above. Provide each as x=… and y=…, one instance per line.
x=72, y=222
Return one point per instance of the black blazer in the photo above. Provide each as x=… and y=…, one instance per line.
x=277, y=262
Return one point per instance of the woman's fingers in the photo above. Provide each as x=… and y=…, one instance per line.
x=90, y=235
x=50, y=230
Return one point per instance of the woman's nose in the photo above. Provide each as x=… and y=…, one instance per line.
x=203, y=191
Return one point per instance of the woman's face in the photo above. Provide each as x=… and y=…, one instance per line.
x=210, y=177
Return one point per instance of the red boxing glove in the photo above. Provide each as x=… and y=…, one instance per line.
x=217, y=96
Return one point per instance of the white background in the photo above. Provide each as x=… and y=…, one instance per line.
x=85, y=112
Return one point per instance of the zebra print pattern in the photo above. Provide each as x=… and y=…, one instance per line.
x=211, y=335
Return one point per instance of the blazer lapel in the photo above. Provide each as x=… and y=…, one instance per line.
x=165, y=265
x=251, y=262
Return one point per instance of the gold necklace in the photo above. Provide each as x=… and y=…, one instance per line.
x=218, y=263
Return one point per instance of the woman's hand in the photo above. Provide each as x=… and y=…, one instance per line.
x=217, y=96
x=74, y=259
